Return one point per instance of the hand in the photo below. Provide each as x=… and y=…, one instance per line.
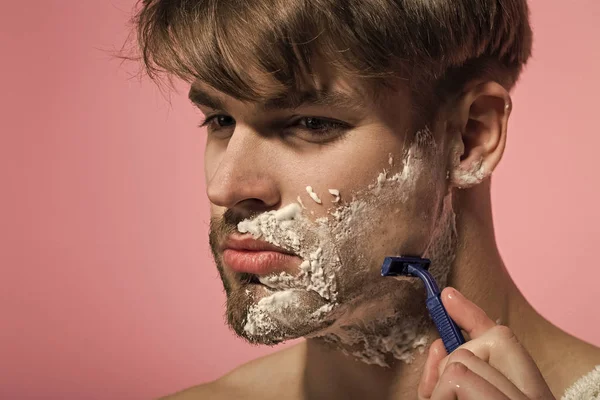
x=493, y=365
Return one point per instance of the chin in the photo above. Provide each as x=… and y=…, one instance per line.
x=266, y=316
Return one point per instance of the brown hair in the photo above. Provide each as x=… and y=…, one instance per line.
x=251, y=49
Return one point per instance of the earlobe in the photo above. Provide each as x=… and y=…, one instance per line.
x=482, y=122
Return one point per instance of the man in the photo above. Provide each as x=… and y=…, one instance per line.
x=340, y=132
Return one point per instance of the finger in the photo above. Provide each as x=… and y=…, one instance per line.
x=500, y=348
x=430, y=375
x=458, y=382
x=485, y=371
x=466, y=314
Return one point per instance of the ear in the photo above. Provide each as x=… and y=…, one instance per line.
x=481, y=118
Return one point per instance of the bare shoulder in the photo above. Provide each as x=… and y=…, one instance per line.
x=274, y=376
x=212, y=390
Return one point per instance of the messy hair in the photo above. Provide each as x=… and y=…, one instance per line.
x=254, y=49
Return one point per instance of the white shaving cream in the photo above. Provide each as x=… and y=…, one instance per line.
x=291, y=229
x=313, y=195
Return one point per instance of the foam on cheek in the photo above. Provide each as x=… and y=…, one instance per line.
x=401, y=178
x=368, y=341
x=313, y=195
x=336, y=194
x=317, y=243
x=387, y=189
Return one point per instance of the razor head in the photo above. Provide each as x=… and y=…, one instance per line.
x=398, y=266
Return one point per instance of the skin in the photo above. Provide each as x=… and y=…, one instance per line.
x=507, y=361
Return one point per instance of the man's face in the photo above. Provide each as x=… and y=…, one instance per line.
x=391, y=182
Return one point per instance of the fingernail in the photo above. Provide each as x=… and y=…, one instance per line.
x=454, y=294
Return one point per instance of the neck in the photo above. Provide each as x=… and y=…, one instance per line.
x=482, y=277
x=479, y=273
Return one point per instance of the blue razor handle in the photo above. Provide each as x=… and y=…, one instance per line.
x=417, y=267
x=447, y=328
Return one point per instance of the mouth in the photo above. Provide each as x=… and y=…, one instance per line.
x=257, y=258
x=259, y=262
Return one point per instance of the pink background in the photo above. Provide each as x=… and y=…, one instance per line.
x=107, y=288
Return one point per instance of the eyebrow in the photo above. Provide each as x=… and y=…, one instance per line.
x=322, y=98
x=200, y=98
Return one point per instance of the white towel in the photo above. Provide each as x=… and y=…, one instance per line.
x=586, y=388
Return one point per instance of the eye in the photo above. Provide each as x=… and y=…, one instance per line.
x=315, y=123
x=320, y=128
x=215, y=122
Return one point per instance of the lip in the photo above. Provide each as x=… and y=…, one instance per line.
x=248, y=243
x=245, y=254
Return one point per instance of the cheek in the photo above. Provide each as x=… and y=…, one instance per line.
x=386, y=228
x=398, y=218
x=349, y=167
x=403, y=228
x=423, y=208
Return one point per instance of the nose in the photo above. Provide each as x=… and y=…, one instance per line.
x=242, y=175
